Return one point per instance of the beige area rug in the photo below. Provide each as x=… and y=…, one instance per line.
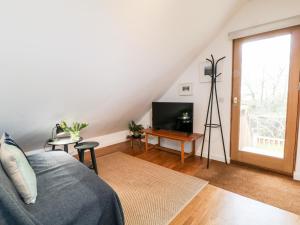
x=149, y=193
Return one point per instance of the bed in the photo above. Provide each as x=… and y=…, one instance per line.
x=68, y=193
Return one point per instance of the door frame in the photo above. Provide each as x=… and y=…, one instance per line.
x=285, y=165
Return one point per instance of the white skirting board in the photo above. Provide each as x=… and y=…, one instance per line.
x=108, y=139
x=104, y=140
x=296, y=176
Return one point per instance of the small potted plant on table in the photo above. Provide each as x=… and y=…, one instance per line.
x=73, y=130
x=136, y=132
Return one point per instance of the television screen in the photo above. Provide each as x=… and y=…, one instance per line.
x=177, y=116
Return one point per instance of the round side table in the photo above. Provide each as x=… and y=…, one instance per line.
x=63, y=141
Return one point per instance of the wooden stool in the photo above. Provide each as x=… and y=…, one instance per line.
x=82, y=146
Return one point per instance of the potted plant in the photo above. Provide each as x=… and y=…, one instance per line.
x=136, y=130
x=73, y=130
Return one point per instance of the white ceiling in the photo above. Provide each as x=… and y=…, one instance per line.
x=99, y=61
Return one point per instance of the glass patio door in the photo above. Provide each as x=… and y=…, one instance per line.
x=265, y=99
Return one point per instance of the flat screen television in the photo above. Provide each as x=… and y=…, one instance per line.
x=176, y=116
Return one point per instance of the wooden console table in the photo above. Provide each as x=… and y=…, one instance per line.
x=173, y=135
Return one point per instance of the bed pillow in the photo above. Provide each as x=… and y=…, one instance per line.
x=18, y=169
x=9, y=140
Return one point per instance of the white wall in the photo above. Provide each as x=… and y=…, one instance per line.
x=253, y=13
x=98, y=61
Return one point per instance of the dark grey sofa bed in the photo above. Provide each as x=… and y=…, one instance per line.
x=68, y=193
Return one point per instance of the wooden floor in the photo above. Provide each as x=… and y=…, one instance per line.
x=213, y=205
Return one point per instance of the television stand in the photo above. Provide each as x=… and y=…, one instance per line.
x=173, y=135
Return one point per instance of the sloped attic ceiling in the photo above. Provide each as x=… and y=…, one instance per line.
x=99, y=61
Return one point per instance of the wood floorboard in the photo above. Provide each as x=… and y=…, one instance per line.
x=214, y=205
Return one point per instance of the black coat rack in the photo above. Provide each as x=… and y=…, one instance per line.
x=212, y=72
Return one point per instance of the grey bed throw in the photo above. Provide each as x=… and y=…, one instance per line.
x=68, y=194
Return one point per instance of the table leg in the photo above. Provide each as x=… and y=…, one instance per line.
x=79, y=155
x=193, y=147
x=182, y=151
x=131, y=143
x=53, y=147
x=158, y=141
x=82, y=155
x=94, y=160
x=146, y=142
x=66, y=149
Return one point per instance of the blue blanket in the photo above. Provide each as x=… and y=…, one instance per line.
x=68, y=193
